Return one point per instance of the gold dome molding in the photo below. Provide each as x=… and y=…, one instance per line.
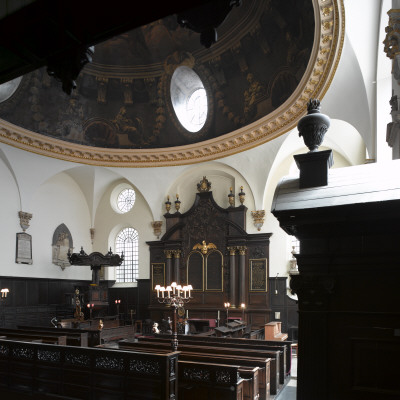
x=325, y=55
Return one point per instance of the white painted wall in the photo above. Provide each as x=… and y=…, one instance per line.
x=57, y=192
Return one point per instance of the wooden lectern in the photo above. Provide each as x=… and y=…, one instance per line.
x=273, y=331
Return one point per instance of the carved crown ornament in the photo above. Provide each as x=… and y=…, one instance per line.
x=324, y=59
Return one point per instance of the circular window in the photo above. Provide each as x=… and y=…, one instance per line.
x=122, y=198
x=126, y=200
x=189, y=99
x=7, y=89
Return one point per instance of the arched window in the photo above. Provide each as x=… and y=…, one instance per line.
x=127, y=242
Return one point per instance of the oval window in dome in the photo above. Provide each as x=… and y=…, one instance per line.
x=189, y=99
x=7, y=89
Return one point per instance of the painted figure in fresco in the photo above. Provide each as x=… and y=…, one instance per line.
x=124, y=125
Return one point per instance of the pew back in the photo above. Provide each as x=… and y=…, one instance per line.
x=199, y=381
x=86, y=373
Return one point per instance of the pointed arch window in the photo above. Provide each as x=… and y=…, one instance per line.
x=127, y=241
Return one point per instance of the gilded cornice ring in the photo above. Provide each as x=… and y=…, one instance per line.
x=325, y=55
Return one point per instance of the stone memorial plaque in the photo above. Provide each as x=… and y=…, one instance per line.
x=23, y=254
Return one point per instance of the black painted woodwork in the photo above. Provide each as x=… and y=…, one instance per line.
x=67, y=372
x=347, y=284
x=224, y=227
x=286, y=306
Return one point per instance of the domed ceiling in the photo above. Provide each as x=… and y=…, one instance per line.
x=270, y=58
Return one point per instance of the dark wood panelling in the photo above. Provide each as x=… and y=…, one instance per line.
x=35, y=301
x=258, y=299
x=283, y=304
x=43, y=292
x=225, y=228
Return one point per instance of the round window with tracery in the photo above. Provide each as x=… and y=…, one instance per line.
x=126, y=200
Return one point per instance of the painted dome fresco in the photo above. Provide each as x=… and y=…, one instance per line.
x=158, y=90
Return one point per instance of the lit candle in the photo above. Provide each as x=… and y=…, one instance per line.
x=173, y=285
x=116, y=301
x=162, y=290
x=158, y=290
x=169, y=291
x=178, y=290
x=190, y=288
x=185, y=291
x=92, y=305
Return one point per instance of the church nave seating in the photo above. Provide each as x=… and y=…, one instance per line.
x=254, y=371
x=57, y=338
x=227, y=355
x=35, y=370
x=284, y=351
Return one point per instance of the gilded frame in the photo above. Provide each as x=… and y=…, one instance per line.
x=258, y=285
x=202, y=271
x=157, y=281
x=222, y=272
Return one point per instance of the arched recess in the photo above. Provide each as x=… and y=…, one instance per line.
x=8, y=166
x=59, y=201
x=108, y=222
x=222, y=178
x=205, y=271
x=348, y=149
x=342, y=137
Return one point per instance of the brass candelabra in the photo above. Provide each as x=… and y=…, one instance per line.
x=174, y=296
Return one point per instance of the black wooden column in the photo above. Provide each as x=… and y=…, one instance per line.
x=242, y=274
x=232, y=276
x=177, y=258
x=168, y=267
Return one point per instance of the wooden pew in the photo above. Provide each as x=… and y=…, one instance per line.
x=249, y=375
x=251, y=391
x=74, y=336
x=257, y=368
x=201, y=380
x=236, y=354
x=33, y=370
x=256, y=378
x=16, y=334
x=93, y=336
x=286, y=345
x=220, y=342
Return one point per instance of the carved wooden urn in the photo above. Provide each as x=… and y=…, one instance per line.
x=313, y=126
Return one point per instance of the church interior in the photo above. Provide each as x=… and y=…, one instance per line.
x=200, y=200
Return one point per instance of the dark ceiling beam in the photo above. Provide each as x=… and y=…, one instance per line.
x=46, y=29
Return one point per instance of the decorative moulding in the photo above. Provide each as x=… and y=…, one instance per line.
x=157, y=228
x=258, y=217
x=324, y=59
x=24, y=219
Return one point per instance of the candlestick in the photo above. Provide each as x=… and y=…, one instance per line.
x=176, y=300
